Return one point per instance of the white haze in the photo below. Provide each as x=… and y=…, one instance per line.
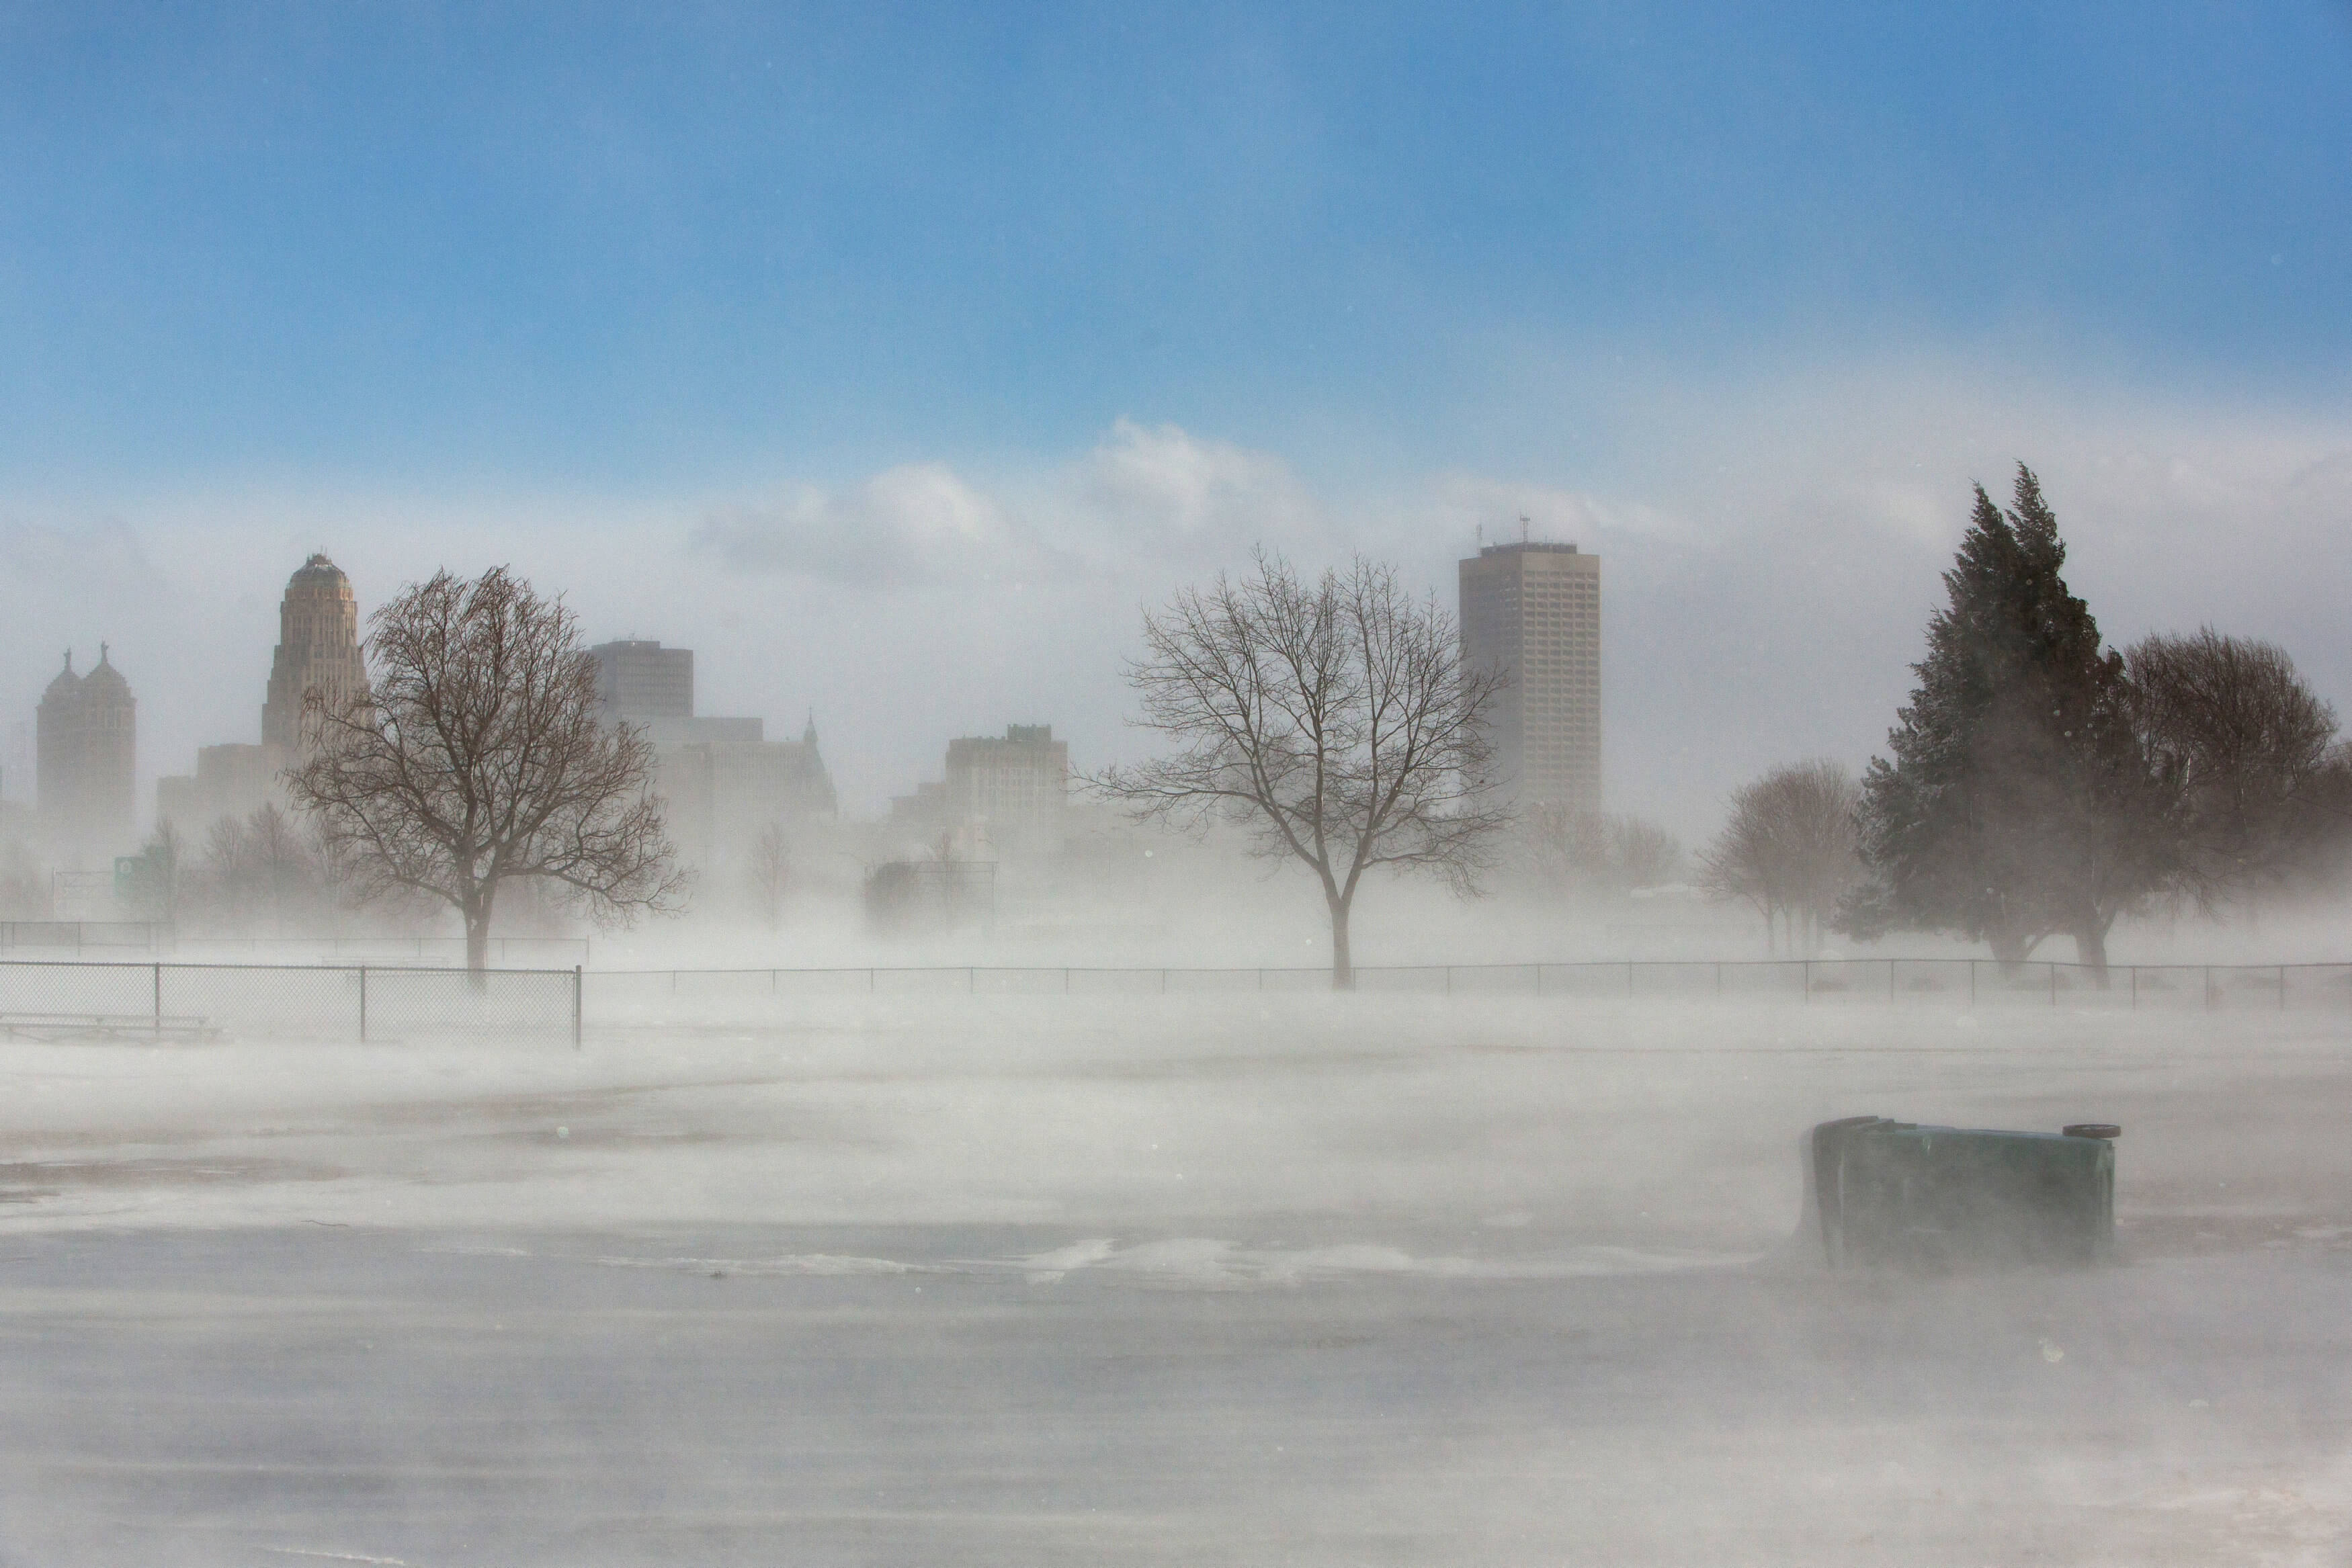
x=1772, y=547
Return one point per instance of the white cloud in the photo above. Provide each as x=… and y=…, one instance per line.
x=919, y=523
x=1160, y=491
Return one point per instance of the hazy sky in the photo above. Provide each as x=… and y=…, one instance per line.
x=891, y=357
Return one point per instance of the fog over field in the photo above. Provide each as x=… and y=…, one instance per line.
x=1219, y=785
x=1305, y=1278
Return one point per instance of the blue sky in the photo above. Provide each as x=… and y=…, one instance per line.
x=639, y=246
x=602, y=283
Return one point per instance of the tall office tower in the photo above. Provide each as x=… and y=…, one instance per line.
x=87, y=756
x=1533, y=612
x=639, y=680
x=1017, y=787
x=317, y=647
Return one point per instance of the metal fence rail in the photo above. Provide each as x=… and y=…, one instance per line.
x=81, y=936
x=315, y=1001
x=1971, y=982
x=420, y=951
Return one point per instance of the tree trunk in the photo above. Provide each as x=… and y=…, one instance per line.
x=2009, y=949
x=2091, y=948
x=477, y=940
x=1343, y=970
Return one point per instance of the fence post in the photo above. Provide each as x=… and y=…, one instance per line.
x=2282, y=988
x=2209, y=997
x=970, y=979
x=1065, y=979
x=1629, y=977
x=362, y=1004
x=1972, y=985
x=1890, y=980
x=1449, y=979
x=576, y=1008
x=1163, y=982
x=1719, y=977
x=159, y=999
x=1809, y=981
x=2134, y=989
x=2054, y=982
x=1539, y=979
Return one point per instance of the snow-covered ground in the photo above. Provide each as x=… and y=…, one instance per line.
x=1200, y=1279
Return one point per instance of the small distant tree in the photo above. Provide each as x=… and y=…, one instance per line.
x=475, y=758
x=1336, y=718
x=1601, y=854
x=1790, y=850
x=772, y=872
x=261, y=868
x=2019, y=803
x=2250, y=751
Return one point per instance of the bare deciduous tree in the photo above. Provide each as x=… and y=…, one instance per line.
x=2248, y=750
x=1336, y=718
x=1789, y=848
x=475, y=758
x=1600, y=852
x=261, y=869
x=772, y=872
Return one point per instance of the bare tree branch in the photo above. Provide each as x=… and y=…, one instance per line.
x=1791, y=848
x=475, y=758
x=1336, y=718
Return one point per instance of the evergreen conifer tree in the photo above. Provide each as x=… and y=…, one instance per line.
x=2018, y=804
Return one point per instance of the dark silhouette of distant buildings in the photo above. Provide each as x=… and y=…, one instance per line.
x=85, y=760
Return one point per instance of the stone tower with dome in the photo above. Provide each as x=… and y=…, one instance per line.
x=87, y=738
x=318, y=648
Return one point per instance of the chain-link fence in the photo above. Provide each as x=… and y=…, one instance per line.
x=80, y=937
x=617, y=995
x=322, y=1002
x=385, y=1002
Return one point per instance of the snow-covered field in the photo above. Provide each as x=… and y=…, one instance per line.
x=1314, y=1279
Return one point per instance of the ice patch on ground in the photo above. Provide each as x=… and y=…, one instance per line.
x=1205, y=1262
x=820, y=1263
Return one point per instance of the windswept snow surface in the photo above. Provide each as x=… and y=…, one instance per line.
x=1305, y=1279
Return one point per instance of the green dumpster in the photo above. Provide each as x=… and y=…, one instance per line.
x=1906, y=1195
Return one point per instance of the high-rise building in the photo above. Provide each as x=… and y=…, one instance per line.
x=87, y=756
x=640, y=680
x=1532, y=611
x=317, y=649
x=724, y=781
x=1015, y=785
x=1003, y=795
x=232, y=780
x=723, y=794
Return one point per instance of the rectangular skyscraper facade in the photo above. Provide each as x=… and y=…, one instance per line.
x=1533, y=612
x=638, y=679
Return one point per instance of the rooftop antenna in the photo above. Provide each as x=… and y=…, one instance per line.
x=1482, y=536
x=1523, y=528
